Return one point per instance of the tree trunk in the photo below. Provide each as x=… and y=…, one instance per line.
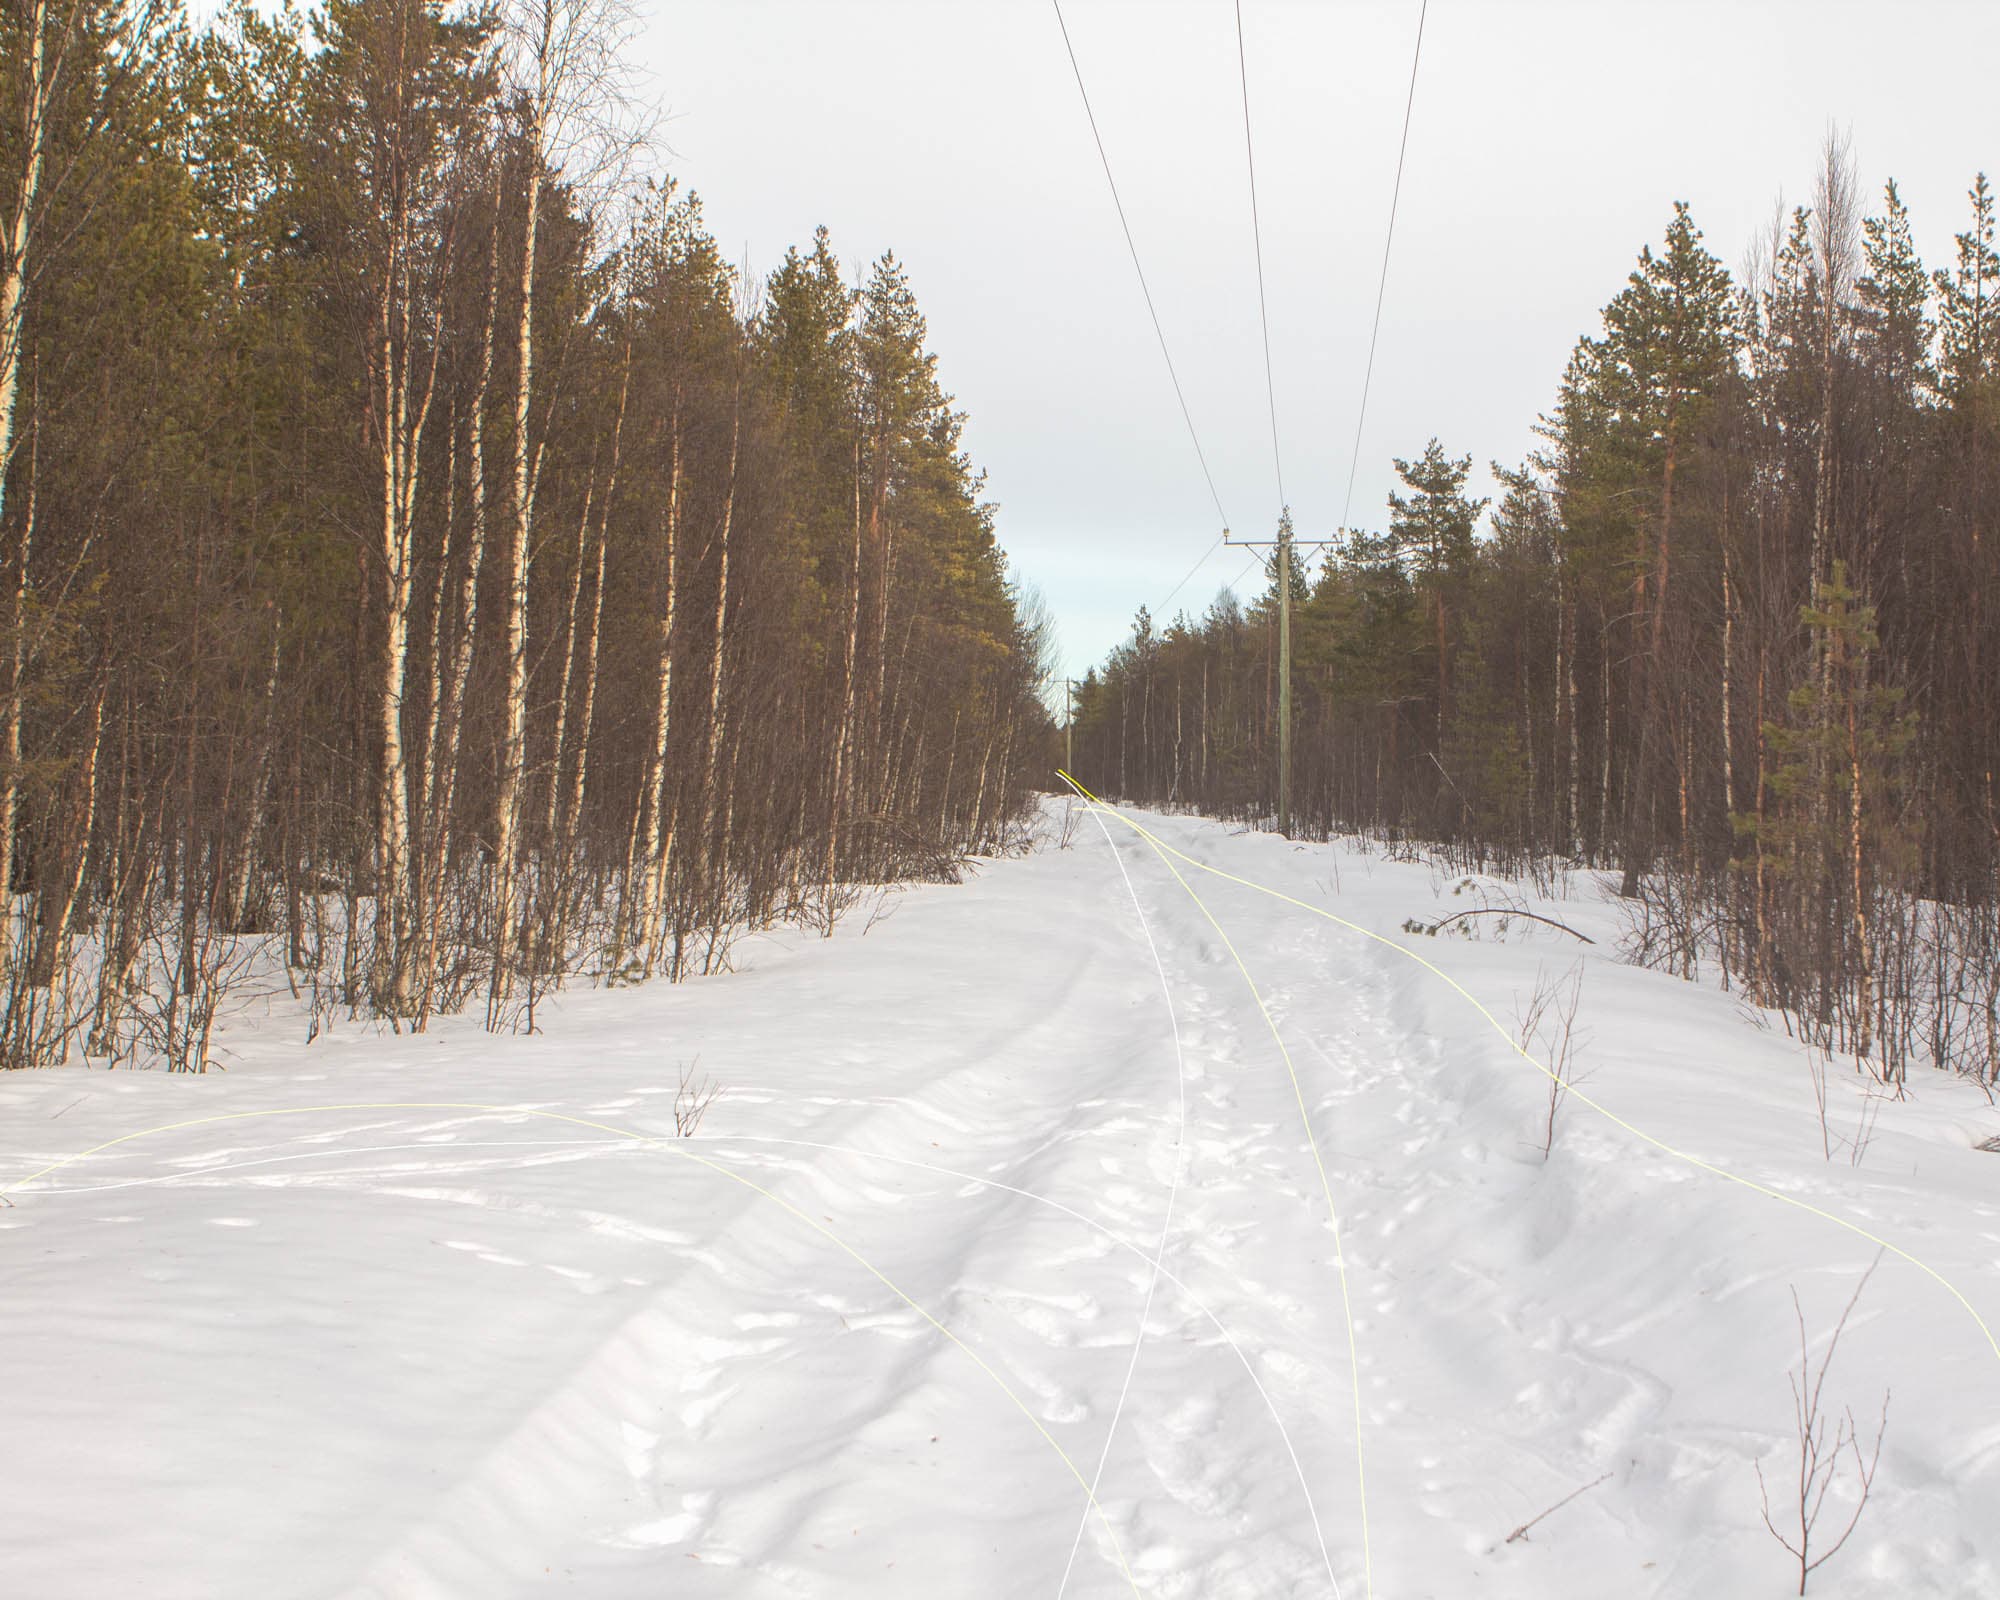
x=844, y=744
x=654, y=832
x=242, y=871
x=13, y=330
x=572, y=641
x=1864, y=954
x=513, y=754
x=1646, y=689
x=10, y=718
x=61, y=880
x=20, y=239
x=441, y=796
x=716, y=650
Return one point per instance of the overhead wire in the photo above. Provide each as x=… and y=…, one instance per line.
x=1263, y=310
x=1257, y=239
x=1145, y=289
x=1382, y=282
x=1191, y=571
x=1381, y=287
x=1263, y=304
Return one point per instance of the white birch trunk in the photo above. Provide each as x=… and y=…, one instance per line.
x=843, y=749
x=513, y=753
x=13, y=294
x=14, y=277
x=716, y=649
x=566, y=783
x=10, y=725
x=565, y=687
x=654, y=836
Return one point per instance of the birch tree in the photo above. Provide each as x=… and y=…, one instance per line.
x=402, y=86
x=567, y=88
x=81, y=70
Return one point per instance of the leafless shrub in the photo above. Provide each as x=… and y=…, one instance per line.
x=1864, y=1127
x=1816, y=1065
x=1067, y=834
x=1331, y=887
x=692, y=1099
x=1672, y=922
x=1822, y=1460
x=1548, y=1024
x=1856, y=1144
x=883, y=908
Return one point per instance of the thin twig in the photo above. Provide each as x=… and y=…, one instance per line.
x=1522, y=1531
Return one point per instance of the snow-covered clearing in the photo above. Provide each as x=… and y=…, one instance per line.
x=1006, y=1196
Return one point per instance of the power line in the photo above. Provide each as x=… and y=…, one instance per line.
x=1186, y=415
x=1298, y=563
x=1257, y=238
x=1191, y=571
x=1374, y=332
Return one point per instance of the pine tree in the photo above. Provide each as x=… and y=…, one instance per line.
x=1669, y=338
x=1432, y=532
x=1836, y=825
x=1895, y=324
x=1969, y=304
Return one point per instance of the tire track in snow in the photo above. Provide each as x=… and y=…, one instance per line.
x=667, y=1146
x=727, y=1145
x=204, y=1177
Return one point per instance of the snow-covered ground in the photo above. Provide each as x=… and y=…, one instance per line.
x=1006, y=1197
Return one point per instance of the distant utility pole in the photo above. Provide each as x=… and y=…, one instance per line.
x=1284, y=546
x=1069, y=725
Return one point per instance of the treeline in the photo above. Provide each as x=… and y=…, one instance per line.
x=1734, y=631
x=430, y=569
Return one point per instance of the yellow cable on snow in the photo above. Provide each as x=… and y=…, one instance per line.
x=1603, y=1111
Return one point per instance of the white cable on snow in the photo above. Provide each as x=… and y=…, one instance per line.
x=1173, y=1193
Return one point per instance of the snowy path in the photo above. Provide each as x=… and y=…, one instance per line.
x=428, y=1353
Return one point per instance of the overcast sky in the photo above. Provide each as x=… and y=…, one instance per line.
x=1549, y=143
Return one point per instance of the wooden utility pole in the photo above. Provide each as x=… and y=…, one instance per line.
x=1069, y=724
x=1283, y=542
x=1285, y=676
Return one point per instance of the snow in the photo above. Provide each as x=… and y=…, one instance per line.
x=407, y=1347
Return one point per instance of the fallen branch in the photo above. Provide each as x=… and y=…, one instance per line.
x=1522, y=1531
x=1508, y=911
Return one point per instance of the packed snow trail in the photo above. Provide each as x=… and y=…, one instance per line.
x=468, y=1353
x=1568, y=1089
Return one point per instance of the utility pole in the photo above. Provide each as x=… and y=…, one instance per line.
x=1285, y=674
x=1069, y=725
x=1283, y=543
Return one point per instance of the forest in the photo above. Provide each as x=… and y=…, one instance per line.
x=432, y=572
x=1731, y=634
